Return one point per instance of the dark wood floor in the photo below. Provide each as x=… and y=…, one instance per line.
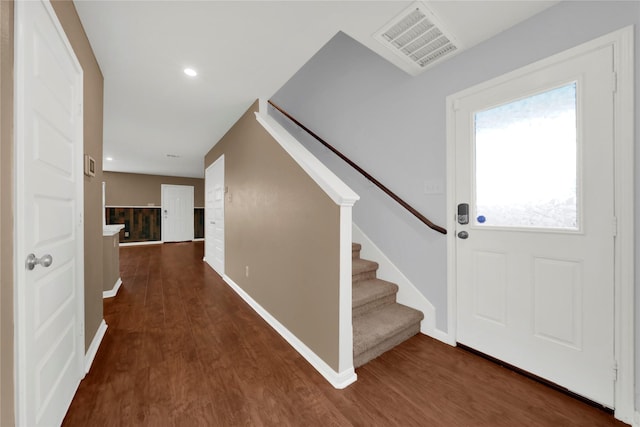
x=182, y=349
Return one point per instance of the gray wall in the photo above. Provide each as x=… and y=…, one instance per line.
x=394, y=126
x=376, y=115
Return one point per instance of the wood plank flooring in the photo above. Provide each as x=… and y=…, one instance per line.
x=182, y=349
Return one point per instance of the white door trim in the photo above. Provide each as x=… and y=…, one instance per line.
x=20, y=251
x=624, y=270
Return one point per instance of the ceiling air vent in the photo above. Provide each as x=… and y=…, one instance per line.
x=418, y=37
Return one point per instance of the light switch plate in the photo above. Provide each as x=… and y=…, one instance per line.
x=433, y=186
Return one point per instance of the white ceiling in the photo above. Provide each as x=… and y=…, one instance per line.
x=242, y=50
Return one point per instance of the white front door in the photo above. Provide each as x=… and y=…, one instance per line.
x=535, y=247
x=49, y=207
x=177, y=213
x=214, y=215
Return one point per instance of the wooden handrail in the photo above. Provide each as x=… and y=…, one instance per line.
x=364, y=173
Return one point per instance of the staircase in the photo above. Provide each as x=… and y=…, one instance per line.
x=379, y=322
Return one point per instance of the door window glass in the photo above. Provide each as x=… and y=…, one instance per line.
x=526, y=162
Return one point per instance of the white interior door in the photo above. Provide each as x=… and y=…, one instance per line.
x=534, y=263
x=214, y=215
x=177, y=213
x=49, y=207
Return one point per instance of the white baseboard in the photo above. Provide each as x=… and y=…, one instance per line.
x=408, y=294
x=95, y=344
x=152, y=242
x=113, y=291
x=155, y=242
x=339, y=380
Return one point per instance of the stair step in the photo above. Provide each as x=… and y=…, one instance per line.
x=382, y=329
x=363, y=269
x=371, y=294
x=379, y=322
x=355, y=250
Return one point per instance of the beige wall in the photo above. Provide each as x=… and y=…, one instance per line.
x=6, y=216
x=93, y=85
x=281, y=225
x=93, y=115
x=131, y=189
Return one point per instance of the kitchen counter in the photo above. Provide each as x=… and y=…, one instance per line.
x=112, y=229
x=111, y=259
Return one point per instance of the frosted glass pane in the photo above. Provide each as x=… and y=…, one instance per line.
x=525, y=154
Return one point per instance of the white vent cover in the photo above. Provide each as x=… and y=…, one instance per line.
x=418, y=37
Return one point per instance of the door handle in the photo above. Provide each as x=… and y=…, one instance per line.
x=463, y=235
x=32, y=261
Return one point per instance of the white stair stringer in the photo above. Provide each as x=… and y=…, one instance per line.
x=408, y=294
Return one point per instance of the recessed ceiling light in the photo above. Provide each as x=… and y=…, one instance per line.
x=108, y=159
x=190, y=72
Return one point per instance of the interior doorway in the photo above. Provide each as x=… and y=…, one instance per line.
x=49, y=226
x=177, y=213
x=214, y=215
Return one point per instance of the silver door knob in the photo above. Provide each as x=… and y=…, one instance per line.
x=463, y=234
x=32, y=261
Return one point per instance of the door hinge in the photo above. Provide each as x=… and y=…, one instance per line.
x=615, y=371
x=614, y=82
x=615, y=226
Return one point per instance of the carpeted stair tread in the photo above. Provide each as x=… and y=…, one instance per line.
x=379, y=322
x=371, y=294
x=382, y=329
x=386, y=345
x=363, y=269
x=355, y=250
